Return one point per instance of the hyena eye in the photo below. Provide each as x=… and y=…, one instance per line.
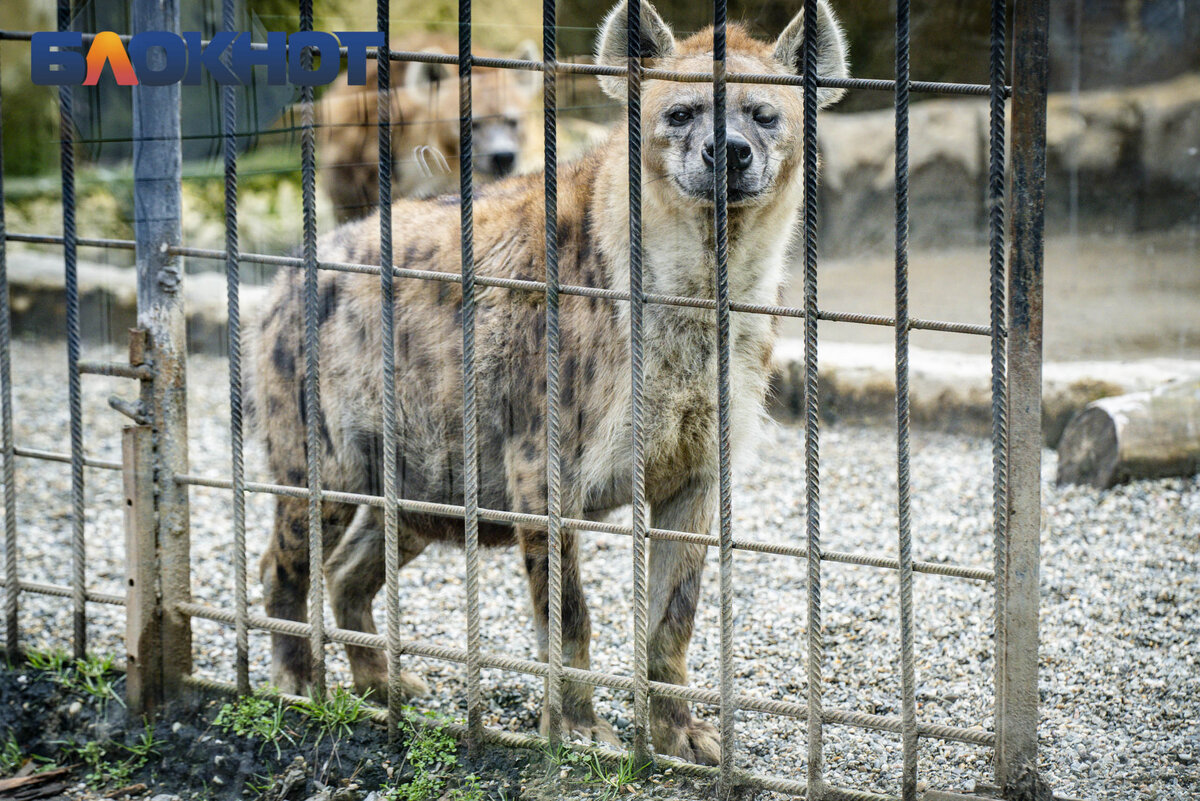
x=680, y=116
x=766, y=116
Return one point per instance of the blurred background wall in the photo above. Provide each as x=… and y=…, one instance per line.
x=1123, y=192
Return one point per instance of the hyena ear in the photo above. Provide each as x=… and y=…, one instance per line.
x=421, y=78
x=612, y=49
x=832, y=54
x=527, y=80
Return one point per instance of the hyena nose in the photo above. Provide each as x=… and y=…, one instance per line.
x=739, y=154
x=503, y=163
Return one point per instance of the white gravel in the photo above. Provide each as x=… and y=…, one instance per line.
x=1120, y=680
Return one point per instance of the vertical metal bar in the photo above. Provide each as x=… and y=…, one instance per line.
x=908, y=703
x=12, y=592
x=721, y=238
x=143, y=617
x=157, y=167
x=312, y=369
x=812, y=446
x=641, y=681
x=553, y=450
x=996, y=264
x=74, y=403
x=391, y=517
x=232, y=288
x=1016, y=690
x=470, y=417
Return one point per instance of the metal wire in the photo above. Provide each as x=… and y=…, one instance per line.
x=519, y=285
x=74, y=403
x=444, y=653
x=724, y=344
x=312, y=357
x=641, y=695
x=470, y=415
x=391, y=522
x=12, y=643
x=997, y=302
x=815, y=780
x=232, y=289
x=554, y=536
x=908, y=704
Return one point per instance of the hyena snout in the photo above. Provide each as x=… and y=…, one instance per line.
x=499, y=164
x=739, y=153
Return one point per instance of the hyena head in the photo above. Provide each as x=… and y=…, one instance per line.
x=763, y=123
x=501, y=104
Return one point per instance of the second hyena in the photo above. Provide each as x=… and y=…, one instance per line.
x=766, y=191
x=424, y=127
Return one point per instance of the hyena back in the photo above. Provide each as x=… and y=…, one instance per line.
x=766, y=190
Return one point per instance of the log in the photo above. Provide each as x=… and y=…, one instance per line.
x=1152, y=434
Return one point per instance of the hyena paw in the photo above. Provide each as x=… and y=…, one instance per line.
x=590, y=730
x=696, y=741
x=411, y=686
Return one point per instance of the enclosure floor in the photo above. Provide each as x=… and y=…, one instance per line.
x=1120, y=680
x=1107, y=297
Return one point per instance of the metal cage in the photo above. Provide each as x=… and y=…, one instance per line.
x=158, y=601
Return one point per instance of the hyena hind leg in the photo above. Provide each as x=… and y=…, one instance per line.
x=675, y=569
x=355, y=573
x=285, y=576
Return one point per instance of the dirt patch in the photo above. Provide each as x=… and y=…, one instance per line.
x=49, y=720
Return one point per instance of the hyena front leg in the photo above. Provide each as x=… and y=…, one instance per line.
x=674, y=579
x=284, y=572
x=355, y=572
x=579, y=717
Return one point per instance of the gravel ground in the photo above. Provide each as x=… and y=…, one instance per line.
x=1120, y=680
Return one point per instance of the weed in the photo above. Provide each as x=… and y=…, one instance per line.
x=469, y=790
x=48, y=661
x=103, y=766
x=11, y=757
x=433, y=755
x=259, y=716
x=95, y=676
x=334, y=715
x=614, y=779
x=259, y=784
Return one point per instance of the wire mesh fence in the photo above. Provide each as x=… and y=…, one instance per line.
x=159, y=605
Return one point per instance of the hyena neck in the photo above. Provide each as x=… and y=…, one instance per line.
x=678, y=240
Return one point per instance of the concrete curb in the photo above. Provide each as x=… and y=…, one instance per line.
x=950, y=391
x=108, y=302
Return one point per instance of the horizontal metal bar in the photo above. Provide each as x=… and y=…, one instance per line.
x=83, y=241
x=55, y=456
x=576, y=68
x=541, y=522
x=521, y=285
x=116, y=370
x=63, y=591
x=596, y=678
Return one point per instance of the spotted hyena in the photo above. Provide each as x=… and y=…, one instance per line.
x=766, y=191
x=424, y=112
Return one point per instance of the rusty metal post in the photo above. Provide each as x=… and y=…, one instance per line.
x=1018, y=560
x=157, y=167
x=143, y=619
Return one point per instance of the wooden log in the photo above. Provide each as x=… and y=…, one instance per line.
x=1141, y=435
